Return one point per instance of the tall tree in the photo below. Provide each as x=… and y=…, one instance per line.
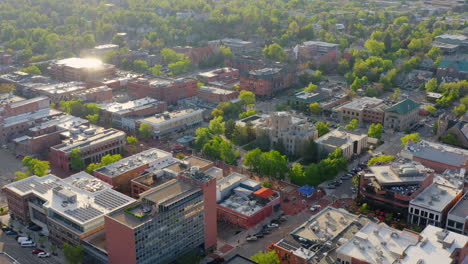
x=76, y=161
x=266, y=257
x=73, y=254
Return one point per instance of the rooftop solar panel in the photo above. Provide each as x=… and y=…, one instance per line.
x=109, y=200
x=84, y=213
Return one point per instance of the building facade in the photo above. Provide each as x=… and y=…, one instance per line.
x=267, y=81
x=366, y=109
x=168, y=122
x=169, y=91
x=350, y=143
x=402, y=115
x=216, y=95
x=78, y=69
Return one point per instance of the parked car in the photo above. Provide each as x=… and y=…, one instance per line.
x=315, y=207
x=37, y=251
x=11, y=233
x=28, y=243
x=22, y=239
x=331, y=186
x=251, y=238
x=35, y=228
x=273, y=225
x=43, y=255
x=259, y=235
x=5, y=229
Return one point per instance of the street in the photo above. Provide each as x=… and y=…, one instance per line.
x=23, y=255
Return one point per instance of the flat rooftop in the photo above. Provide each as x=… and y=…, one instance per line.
x=216, y=72
x=451, y=36
x=83, y=63
x=361, y=103
x=88, y=136
x=460, y=209
x=59, y=88
x=339, y=137
x=31, y=116
x=168, y=116
x=265, y=71
x=378, y=243
x=400, y=174
x=214, y=90
x=325, y=225
x=437, y=152
x=147, y=157
x=154, y=177
x=229, y=180
x=320, y=43
x=432, y=248
x=80, y=197
x=435, y=197
x=8, y=98
x=129, y=106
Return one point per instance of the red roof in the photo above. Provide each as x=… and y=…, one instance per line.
x=264, y=192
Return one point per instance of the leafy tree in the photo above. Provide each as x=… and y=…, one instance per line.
x=247, y=97
x=451, y=139
x=315, y=108
x=375, y=47
x=364, y=208
x=267, y=184
x=433, y=53
x=380, y=159
x=266, y=257
x=253, y=159
x=76, y=161
x=7, y=88
x=33, y=69
x=180, y=67
x=375, y=131
x=317, y=77
x=140, y=66
x=216, y=113
x=431, y=85
x=170, y=56
x=180, y=156
x=35, y=166
x=132, y=140
x=297, y=171
x=156, y=70
x=322, y=128
x=73, y=254
x=225, y=52
x=353, y=124
x=19, y=175
x=247, y=114
x=106, y=160
x=310, y=88
x=396, y=94
x=311, y=152
x=216, y=126
x=460, y=109
x=145, y=131
x=93, y=119
x=343, y=66
x=274, y=52
x=410, y=137
x=203, y=135
x=431, y=109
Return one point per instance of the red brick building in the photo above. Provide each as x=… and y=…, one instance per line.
x=226, y=74
x=216, y=95
x=79, y=69
x=267, y=81
x=246, y=63
x=199, y=54
x=96, y=94
x=169, y=91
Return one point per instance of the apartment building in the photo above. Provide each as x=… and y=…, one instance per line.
x=365, y=109
x=226, y=74
x=455, y=68
x=80, y=69
x=68, y=210
x=97, y=94
x=283, y=127
x=168, y=122
x=56, y=92
x=216, y=95
x=94, y=143
x=457, y=218
x=237, y=46
x=246, y=63
x=402, y=116
x=169, y=91
x=266, y=82
x=350, y=143
x=439, y=157
x=123, y=115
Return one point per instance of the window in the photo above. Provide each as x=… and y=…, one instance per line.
x=416, y=211
x=431, y=216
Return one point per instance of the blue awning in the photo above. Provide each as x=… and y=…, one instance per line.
x=306, y=189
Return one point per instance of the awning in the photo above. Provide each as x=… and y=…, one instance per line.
x=306, y=190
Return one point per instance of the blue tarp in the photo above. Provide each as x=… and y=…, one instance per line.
x=306, y=190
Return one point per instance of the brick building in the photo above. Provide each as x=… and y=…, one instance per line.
x=169, y=122
x=226, y=74
x=93, y=142
x=216, y=95
x=246, y=63
x=123, y=115
x=5, y=58
x=120, y=173
x=237, y=46
x=68, y=210
x=266, y=82
x=402, y=115
x=199, y=54
x=366, y=109
x=453, y=68
x=95, y=94
x=169, y=91
x=55, y=91
x=80, y=69
x=350, y=143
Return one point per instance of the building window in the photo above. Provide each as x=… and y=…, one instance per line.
x=431, y=216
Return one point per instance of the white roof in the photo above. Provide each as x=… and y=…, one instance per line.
x=455, y=37
x=361, y=103
x=116, y=107
x=435, y=197
x=80, y=63
x=431, y=248
x=378, y=243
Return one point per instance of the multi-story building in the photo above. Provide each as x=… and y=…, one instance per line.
x=310, y=49
x=267, y=81
x=216, y=95
x=11, y=105
x=68, y=210
x=80, y=69
x=457, y=218
x=226, y=74
x=436, y=246
x=402, y=115
x=99, y=50
x=351, y=143
x=96, y=94
x=366, y=109
x=38, y=139
x=94, y=143
x=199, y=55
x=451, y=43
x=56, y=92
x=431, y=206
x=246, y=63
x=376, y=243
x=172, y=121
x=5, y=58
x=453, y=68
x=168, y=221
x=283, y=128
x=120, y=173
x=123, y=115
x=237, y=46
x=394, y=186
x=447, y=125
x=436, y=156
x=243, y=202
x=169, y=91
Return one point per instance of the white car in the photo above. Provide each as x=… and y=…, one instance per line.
x=315, y=207
x=43, y=255
x=272, y=225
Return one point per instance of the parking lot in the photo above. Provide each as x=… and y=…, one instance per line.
x=24, y=255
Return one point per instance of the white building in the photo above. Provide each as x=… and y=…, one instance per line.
x=457, y=218
x=349, y=142
x=172, y=121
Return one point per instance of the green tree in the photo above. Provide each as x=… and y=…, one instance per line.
x=73, y=254
x=375, y=47
x=266, y=257
x=375, y=131
x=322, y=128
x=431, y=85
x=225, y=52
x=247, y=114
x=76, y=161
x=253, y=159
x=247, y=97
x=216, y=126
x=180, y=67
x=216, y=112
x=315, y=108
x=297, y=171
x=267, y=184
x=93, y=119
x=202, y=136
x=310, y=88
x=396, y=94
x=380, y=159
x=343, y=66
x=19, y=175
x=145, y=131
x=353, y=124
x=36, y=167
x=274, y=52
x=433, y=53
x=460, y=109
x=140, y=66
x=431, y=109
x=364, y=208
x=156, y=70
x=33, y=69
x=180, y=156
x=410, y=137
x=109, y=159
x=132, y=140
x=7, y=88
x=451, y=139
x=310, y=152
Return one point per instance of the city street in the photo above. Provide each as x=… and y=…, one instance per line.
x=24, y=255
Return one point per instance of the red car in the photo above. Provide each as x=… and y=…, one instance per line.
x=37, y=251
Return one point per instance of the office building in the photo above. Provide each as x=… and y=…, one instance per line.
x=226, y=75
x=68, y=210
x=168, y=122
x=94, y=143
x=237, y=46
x=80, y=69
x=216, y=95
x=366, y=109
x=99, y=50
x=457, y=218
x=169, y=91
x=266, y=82
x=349, y=142
x=56, y=92
x=402, y=116
x=97, y=94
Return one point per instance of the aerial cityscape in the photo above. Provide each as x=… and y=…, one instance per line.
x=234, y=131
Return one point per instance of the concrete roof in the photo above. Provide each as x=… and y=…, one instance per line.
x=361, y=103
x=435, y=197
x=437, y=152
x=460, y=209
